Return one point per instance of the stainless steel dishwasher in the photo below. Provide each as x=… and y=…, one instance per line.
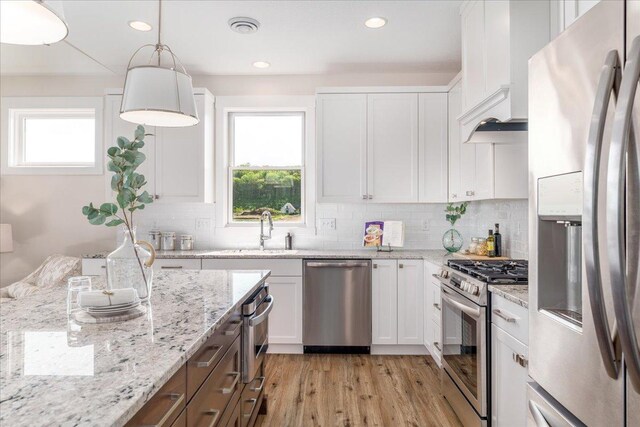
x=337, y=306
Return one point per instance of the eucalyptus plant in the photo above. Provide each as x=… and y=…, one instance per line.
x=124, y=160
x=454, y=213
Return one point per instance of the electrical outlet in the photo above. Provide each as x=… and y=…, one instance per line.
x=425, y=225
x=203, y=224
x=327, y=223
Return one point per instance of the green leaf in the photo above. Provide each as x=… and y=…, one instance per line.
x=98, y=220
x=86, y=210
x=112, y=151
x=123, y=142
x=115, y=180
x=108, y=209
x=125, y=197
x=114, y=222
x=112, y=166
x=139, y=133
x=138, y=144
x=93, y=214
x=145, y=197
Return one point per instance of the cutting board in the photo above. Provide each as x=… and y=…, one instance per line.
x=478, y=257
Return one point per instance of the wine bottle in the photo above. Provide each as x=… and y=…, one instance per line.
x=497, y=237
x=491, y=245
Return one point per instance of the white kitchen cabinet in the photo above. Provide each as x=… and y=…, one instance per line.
x=511, y=171
x=570, y=10
x=392, y=147
x=410, y=302
x=341, y=147
x=508, y=379
x=285, y=320
x=436, y=339
x=454, y=107
x=384, y=298
x=179, y=165
x=166, y=264
x=498, y=37
x=432, y=312
x=433, y=133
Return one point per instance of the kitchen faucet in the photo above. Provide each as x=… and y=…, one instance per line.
x=263, y=237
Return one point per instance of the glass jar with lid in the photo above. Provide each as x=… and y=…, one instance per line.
x=473, y=246
x=482, y=247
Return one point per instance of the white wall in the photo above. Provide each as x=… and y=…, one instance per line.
x=46, y=210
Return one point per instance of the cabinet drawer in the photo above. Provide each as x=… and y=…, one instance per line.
x=165, y=406
x=207, y=357
x=94, y=267
x=252, y=398
x=278, y=267
x=181, y=421
x=437, y=343
x=511, y=317
x=223, y=385
x=436, y=313
x=177, y=264
x=232, y=417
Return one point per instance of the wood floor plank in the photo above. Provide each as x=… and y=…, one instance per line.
x=355, y=390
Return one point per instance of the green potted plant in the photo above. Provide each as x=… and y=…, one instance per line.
x=452, y=240
x=129, y=266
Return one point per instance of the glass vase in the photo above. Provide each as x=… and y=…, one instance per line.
x=129, y=266
x=452, y=240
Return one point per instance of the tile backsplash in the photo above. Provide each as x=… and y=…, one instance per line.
x=424, y=225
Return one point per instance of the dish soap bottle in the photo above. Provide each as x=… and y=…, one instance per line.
x=491, y=245
x=497, y=237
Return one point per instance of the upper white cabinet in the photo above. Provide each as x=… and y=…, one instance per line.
x=433, y=134
x=498, y=37
x=392, y=149
x=179, y=165
x=382, y=147
x=342, y=147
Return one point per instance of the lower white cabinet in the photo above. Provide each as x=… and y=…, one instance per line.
x=397, y=296
x=285, y=320
x=432, y=313
x=508, y=380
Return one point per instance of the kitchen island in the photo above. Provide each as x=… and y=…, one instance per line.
x=56, y=372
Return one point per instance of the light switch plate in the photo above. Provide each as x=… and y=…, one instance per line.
x=425, y=225
x=327, y=223
x=203, y=224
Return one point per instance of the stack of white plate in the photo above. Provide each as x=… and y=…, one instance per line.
x=112, y=310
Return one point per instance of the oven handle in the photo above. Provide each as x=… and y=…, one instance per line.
x=538, y=418
x=473, y=312
x=256, y=320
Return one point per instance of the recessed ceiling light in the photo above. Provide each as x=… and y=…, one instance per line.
x=261, y=64
x=376, y=22
x=140, y=25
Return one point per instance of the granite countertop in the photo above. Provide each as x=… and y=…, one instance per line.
x=433, y=255
x=57, y=372
x=518, y=294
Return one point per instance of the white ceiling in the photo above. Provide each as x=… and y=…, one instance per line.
x=296, y=37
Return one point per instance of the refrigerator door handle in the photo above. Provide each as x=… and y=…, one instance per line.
x=621, y=137
x=538, y=418
x=609, y=82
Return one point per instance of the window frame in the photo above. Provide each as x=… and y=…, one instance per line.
x=14, y=110
x=232, y=168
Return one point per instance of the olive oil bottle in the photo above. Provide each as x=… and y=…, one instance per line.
x=491, y=245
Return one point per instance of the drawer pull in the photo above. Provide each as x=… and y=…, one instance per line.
x=103, y=266
x=437, y=306
x=253, y=406
x=171, y=267
x=436, y=344
x=503, y=316
x=235, y=330
x=258, y=389
x=520, y=360
x=215, y=413
x=178, y=400
x=208, y=363
x=230, y=390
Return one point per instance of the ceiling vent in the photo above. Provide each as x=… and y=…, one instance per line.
x=244, y=25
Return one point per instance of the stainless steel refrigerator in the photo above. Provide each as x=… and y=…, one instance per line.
x=584, y=222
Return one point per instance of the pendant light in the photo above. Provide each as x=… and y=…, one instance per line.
x=32, y=22
x=157, y=94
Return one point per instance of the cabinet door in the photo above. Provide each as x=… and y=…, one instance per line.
x=392, y=147
x=341, y=147
x=473, y=54
x=434, y=159
x=436, y=329
x=496, y=31
x=429, y=270
x=285, y=320
x=182, y=158
x=511, y=171
x=385, y=302
x=509, y=380
x=410, y=298
x=467, y=172
x=114, y=127
x=484, y=172
x=455, y=144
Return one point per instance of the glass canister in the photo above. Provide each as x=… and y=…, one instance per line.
x=154, y=239
x=186, y=242
x=473, y=246
x=168, y=240
x=482, y=247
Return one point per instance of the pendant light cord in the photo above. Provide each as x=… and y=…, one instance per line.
x=159, y=45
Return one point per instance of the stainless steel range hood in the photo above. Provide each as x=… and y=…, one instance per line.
x=493, y=131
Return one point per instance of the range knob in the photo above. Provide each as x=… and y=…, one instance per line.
x=475, y=290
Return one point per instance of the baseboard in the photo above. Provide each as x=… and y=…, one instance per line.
x=408, y=350
x=285, y=349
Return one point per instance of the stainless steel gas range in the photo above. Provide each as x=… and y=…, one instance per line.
x=466, y=337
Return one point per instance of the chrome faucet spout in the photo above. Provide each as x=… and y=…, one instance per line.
x=266, y=215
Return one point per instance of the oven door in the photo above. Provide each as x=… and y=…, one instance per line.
x=255, y=338
x=464, y=351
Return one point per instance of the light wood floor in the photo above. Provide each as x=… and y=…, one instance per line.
x=354, y=390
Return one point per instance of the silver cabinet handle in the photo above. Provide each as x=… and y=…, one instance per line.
x=207, y=363
x=370, y=196
x=259, y=388
x=364, y=197
x=253, y=406
x=470, y=193
x=400, y=265
x=453, y=196
x=375, y=265
x=234, y=331
x=503, y=316
x=156, y=196
x=236, y=378
x=436, y=344
x=621, y=138
x=178, y=399
x=215, y=413
x=609, y=82
x=538, y=418
x=336, y=264
x=171, y=267
x=520, y=360
x=437, y=306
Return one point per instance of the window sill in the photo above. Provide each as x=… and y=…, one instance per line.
x=51, y=170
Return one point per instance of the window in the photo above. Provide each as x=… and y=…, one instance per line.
x=266, y=173
x=49, y=136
